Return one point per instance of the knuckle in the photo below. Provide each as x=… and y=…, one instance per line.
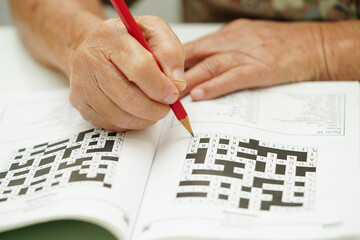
x=88, y=115
x=108, y=29
x=75, y=85
x=135, y=105
x=211, y=87
x=127, y=122
x=76, y=99
x=162, y=112
x=107, y=25
x=237, y=22
x=238, y=72
x=210, y=66
x=162, y=91
x=190, y=48
x=154, y=112
x=80, y=56
x=152, y=18
x=73, y=99
x=141, y=124
x=143, y=64
x=174, y=49
x=131, y=122
x=85, y=59
x=242, y=20
x=112, y=128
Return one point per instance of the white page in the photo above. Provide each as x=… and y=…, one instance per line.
x=104, y=191
x=327, y=192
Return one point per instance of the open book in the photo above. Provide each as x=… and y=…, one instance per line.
x=276, y=163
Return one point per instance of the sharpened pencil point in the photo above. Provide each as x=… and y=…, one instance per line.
x=186, y=123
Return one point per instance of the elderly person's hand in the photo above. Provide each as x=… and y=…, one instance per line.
x=115, y=82
x=248, y=54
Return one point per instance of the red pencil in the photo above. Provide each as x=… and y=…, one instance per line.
x=134, y=30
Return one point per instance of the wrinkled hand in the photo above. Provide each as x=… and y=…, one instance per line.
x=115, y=82
x=248, y=54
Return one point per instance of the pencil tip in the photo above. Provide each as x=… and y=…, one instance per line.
x=186, y=123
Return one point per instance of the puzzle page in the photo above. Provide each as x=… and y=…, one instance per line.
x=241, y=178
x=54, y=165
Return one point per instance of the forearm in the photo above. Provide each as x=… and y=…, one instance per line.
x=341, y=46
x=52, y=29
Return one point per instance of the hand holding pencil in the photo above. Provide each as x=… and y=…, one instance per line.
x=135, y=31
x=116, y=83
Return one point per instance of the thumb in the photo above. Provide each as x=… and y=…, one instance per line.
x=166, y=47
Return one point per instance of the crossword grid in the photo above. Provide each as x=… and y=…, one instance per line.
x=248, y=174
x=90, y=157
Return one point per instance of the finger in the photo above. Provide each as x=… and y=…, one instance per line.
x=202, y=48
x=220, y=41
x=138, y=65
x=211, y=67
x=113, y=114
x=95, y=119
x=107, y=111
x=88, y=113
x=128, y=96
x=242, y=77
x=166, y=47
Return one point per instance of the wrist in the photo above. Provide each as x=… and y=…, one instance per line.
x=341, y=49
x=307, y=39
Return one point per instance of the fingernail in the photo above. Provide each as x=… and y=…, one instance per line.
x=197, y=93
x=179, y=78
x=171, y=98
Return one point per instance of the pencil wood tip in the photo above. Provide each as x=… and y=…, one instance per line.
x=186, y=123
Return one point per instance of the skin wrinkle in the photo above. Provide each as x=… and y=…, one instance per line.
x=127, y=100
x=133, y=104
x=324, y=57
x=315, y=54
x=251, y=56
x=210, y=66
x=86, y=102
x=99, y=85
x=191, y=58
x=101, y=88
x=219, y=73
x=342, y=59
x=297, y=51
x=104, y=111
x=86, y=96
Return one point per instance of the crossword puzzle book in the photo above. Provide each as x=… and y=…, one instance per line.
x=276, y=163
